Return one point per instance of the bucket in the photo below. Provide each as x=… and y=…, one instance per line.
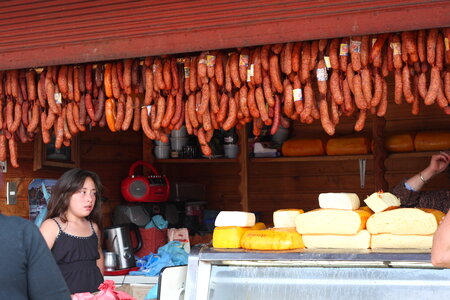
x=162, y=152
x=231, y=150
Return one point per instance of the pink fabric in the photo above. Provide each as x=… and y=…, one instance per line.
x=107, y=292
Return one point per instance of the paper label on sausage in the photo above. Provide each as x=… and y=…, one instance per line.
x=210, y=60
x=355, y=46
x=447, y=48
x=250, y=73
x=298, y=95
x=243, y=60
x=58, y=98
x=202, y=61
x=149, y=109
x=327, y=61
x=397, y=48
x=322, y=74
x=187, y=72
x=343, y=50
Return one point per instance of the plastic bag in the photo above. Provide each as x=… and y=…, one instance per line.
x=157, y=221
x=43, y=213
x=107, y=292
x=171, y=254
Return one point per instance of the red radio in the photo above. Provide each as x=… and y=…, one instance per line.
x=151, y=188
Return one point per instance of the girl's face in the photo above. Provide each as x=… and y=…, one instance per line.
x=82, y=201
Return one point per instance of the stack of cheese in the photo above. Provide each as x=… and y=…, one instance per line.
x=231, y=226
x=393, y=227
x=339, y=223
x=283, y=236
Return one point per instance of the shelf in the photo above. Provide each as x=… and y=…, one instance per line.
x=310, y=158
x=412, y=154
x=195, y=160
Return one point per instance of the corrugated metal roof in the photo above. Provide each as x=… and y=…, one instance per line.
x=34, y=33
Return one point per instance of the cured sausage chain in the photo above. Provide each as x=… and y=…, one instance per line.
x=264, y=85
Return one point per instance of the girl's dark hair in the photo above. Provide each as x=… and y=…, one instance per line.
x=67, y=185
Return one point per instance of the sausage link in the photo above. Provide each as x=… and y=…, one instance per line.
x=288, y=106
x=384, y=100
x=306, y=56
x=31, y=84
x=335, y=88
x=360, y=101
x=115, y=85
x=145, y=124
x=127, y=65
x=232, y=115
x=275, y=76
x=120, y=112
x=128, y=114
x=360, y=122
x=378, y=90
x=276, y=116
x=34, y=122
x=88, y=77
x=259, y=96
x=327, y=125
x=218, y=69
x=110, y=112
x=406, y=84
x=431, y=95
x=398, y=88
x=62, y=81
x=431, y=46
x=13, y=155
x=136, y=114
x=253, y=107
x=170, y=110
x=70, y=91
x=223, y=108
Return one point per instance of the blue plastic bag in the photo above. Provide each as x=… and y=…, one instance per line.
x=43, y=213
x=157, y=221
x=171, y=254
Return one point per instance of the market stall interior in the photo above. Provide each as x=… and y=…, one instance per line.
x=253, y=123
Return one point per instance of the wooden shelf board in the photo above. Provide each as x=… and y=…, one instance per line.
x=412, y=154
x=311, y=158
x=195, y=160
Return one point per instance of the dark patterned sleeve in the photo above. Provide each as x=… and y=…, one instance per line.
x=425, y=199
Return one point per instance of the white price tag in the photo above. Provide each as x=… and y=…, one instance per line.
x=298, y=95
x=58, y=98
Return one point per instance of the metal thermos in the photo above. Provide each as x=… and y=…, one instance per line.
x=118, y=241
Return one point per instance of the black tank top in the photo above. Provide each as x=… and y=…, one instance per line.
x=76, y=257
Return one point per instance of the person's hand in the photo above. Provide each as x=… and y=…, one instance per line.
x=439, y=162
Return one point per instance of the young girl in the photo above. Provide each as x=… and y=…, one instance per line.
x=72, y=232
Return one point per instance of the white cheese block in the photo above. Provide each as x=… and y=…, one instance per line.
x=285, y=218
x=403, y=221
x=381, y=201
x=331, y=221
x=235, y=218
x=398, y=241
x=339, y=200
x=361, y=240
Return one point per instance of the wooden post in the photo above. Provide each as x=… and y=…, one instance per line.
x=379, y=153
x=243, y=163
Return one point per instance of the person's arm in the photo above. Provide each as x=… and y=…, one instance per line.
x=440, y=251
x=438, y=163
x=45, y=280
x=100, y=261
x=49, y=231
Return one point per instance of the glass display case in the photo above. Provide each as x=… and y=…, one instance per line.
x=224, y=274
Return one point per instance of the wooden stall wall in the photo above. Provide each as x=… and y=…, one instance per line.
x=106, y=153
x=221, y=180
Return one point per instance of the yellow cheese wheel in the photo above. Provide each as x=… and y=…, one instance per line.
x=303, y=147
x=230, y=236
x=399, y=143
x=432, y=140
x=348, y=146
x=272, y=239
